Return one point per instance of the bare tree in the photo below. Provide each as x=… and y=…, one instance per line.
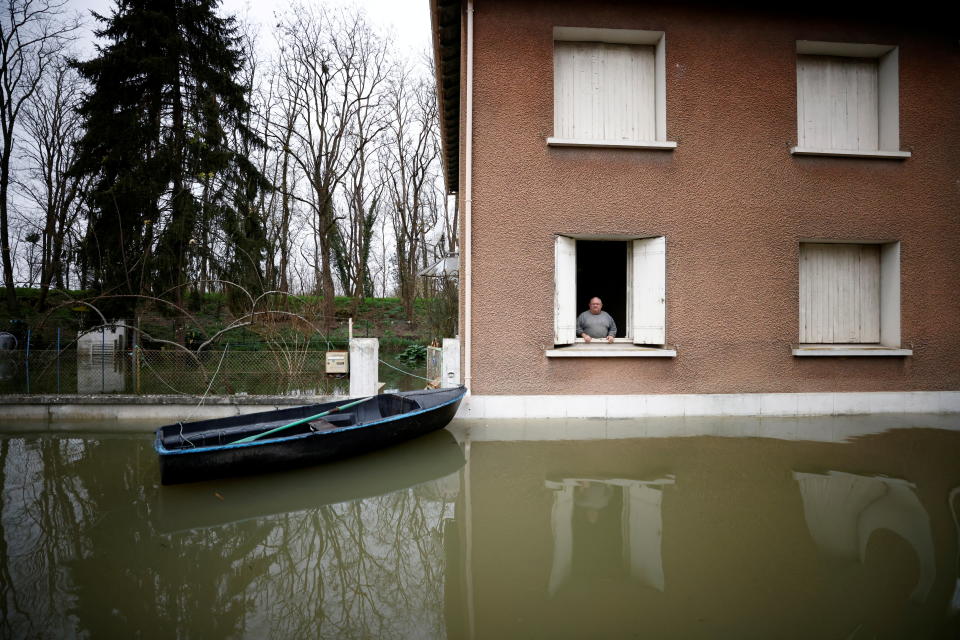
x=32, y=34
x=283, y=111
x=355, y=232
x=51, y=126
x=363, y=194
x=410, y=171
x=329, y=57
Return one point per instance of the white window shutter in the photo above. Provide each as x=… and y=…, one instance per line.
x=837, y=102
x=648, y=278
x=604, y=91
x=565, y=291
x=839, y=293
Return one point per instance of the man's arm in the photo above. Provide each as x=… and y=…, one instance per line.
x=581, y=330
x=612, y=329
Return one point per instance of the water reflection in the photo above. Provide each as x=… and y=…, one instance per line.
x=345, y=551
x=101, y=372
x=954, y=502
x=435, y=458
x=591, y=517
x=694, y=537
x=844, y=510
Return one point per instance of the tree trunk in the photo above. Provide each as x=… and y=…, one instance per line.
x=11, y=292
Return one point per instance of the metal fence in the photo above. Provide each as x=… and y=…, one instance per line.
x=113, y=359
x=223, y=372
x=141, y=371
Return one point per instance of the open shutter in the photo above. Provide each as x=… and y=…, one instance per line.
x=565, y=291
x=648, y=284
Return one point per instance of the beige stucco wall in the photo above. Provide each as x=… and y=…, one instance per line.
x=731, y=201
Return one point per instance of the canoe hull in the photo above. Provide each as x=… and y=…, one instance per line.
x=435, y=409
x=423, y=461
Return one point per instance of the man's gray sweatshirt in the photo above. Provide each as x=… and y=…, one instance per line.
x=598, y=325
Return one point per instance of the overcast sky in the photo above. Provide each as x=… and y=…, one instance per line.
x=408, y=19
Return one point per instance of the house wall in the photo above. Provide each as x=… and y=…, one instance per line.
x=731, y=200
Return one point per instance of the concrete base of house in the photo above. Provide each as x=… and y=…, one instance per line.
x=735, y=404
x=145, y=413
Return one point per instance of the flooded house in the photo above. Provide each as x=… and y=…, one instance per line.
x=763, y=198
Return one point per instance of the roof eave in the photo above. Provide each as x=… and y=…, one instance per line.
x=445, y=16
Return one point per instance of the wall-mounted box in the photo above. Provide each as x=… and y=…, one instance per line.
x=338, y=362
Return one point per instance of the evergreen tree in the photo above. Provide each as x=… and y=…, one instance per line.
x=158, y=120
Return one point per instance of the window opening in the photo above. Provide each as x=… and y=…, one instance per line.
x=602, y=273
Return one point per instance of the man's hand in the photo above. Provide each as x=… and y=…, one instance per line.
x=609, y=338
x=586, y=337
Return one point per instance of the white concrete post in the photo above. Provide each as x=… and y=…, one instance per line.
x=450, y=365
x=364, y=366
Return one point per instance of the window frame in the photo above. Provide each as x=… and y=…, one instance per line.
x=657, y=39
x=646, y=328
x=888, y=98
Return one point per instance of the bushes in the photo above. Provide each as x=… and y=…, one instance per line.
x=413, y=355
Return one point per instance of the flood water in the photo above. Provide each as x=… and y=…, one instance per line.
x=510, y=529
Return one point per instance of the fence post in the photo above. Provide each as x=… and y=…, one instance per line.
x=136, y=365
x=364, y=366
x=136, y=357
x=58, y=360
x=103, y=359
x=27, y=363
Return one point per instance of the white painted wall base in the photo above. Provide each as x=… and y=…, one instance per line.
x=742, y=404
x=450, y=367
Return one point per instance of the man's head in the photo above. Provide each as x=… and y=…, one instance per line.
x=596, y=304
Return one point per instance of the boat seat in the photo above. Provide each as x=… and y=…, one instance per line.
x=323, y=425
x=389, y=404
x=340, y=419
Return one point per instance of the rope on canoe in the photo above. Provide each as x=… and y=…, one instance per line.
x=406, y=372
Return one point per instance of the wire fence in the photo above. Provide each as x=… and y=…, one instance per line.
x=226, y=371
x=147, y=372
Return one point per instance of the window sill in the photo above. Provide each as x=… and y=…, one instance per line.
x=826, y=350
x=607, y=350
x=658, y=145
x=850, y=153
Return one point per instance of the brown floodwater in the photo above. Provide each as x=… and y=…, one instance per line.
x=844, y=528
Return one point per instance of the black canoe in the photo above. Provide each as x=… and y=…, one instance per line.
x=210, y=448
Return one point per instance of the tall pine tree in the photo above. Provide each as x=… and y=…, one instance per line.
x=164, y=105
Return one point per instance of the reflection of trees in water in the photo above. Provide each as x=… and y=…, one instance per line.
x=79, y=556
x=368, y=568
x=44, y=508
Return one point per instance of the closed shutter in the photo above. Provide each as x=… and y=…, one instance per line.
x=647, y=279
x=837, y=103
x=839, y=293
x=565, y=291
x=604, y=91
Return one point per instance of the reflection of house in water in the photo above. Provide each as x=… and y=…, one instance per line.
x=953, y=502
x=844, y=510
x=596, y=517
x=101, y=361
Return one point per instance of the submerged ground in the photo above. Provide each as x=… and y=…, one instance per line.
x=818, y=528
